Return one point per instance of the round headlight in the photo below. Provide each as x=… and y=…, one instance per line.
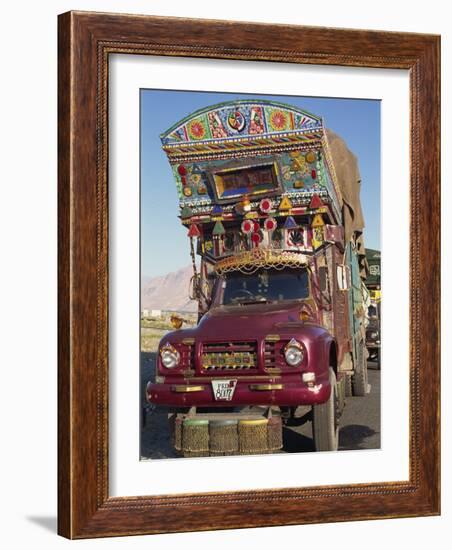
x=293, y=353
x=170, y=356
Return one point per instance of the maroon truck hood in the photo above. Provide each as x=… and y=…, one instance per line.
x=247, y=322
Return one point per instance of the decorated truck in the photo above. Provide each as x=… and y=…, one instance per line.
x=374, y=310
x=270, y=200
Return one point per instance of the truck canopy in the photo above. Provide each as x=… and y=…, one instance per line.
x=349, y=183
x=251, y=172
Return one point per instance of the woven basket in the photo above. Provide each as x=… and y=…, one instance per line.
x=253, y=436
x=274, y=434
x=195, y=437
x=224, y=438
x=175, y=427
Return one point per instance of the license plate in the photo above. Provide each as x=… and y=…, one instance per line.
x=223, y=390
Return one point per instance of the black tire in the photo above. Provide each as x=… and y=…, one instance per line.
x=348, y=385
x=325, y=428
x=360, y=378
x=341, y=395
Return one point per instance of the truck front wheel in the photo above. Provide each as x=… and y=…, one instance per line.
x=325, y=428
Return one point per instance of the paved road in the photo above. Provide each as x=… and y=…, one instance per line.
x=360, y=422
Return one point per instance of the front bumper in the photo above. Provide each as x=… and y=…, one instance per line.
x=246, y=393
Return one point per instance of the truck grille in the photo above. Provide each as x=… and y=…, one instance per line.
x=274, y=354
x=187, y=355
x=229, y=356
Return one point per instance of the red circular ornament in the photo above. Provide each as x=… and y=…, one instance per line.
x=256, y=237
x=313, y=174
x=256, y=227
x=265, y=205
x=182, y=170
x=270, y=224
x=247, y=227
x=183, y=180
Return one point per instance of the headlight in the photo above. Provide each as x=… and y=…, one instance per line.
x=373, y=335
x=170, y=356
x=293, y=353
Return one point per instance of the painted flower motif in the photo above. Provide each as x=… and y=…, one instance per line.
x=196, y=130
x=278, y=120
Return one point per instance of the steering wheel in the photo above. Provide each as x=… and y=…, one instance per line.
x=241, y=292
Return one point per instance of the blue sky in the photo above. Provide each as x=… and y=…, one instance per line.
x=164, y=244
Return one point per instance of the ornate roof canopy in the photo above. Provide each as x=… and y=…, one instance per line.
x=240, y=119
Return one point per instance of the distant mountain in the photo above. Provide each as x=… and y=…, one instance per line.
x=169, y=291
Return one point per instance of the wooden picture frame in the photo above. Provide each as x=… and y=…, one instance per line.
x=86, y=40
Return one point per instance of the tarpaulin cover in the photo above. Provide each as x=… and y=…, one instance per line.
x=349, y=181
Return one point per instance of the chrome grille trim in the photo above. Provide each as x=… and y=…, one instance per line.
x=232, y=356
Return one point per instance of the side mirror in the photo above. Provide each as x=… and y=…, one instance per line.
x=194, y=290
x=343, y=277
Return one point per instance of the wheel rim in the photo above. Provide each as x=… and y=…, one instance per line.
x=335, y=412
x=336, y=415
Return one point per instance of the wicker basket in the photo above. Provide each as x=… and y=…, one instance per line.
x=195, y=437
x=253, y=436
x=224, y=437
x=274, y=434
x=175, y=428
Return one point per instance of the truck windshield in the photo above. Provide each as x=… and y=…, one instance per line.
x=265, y=285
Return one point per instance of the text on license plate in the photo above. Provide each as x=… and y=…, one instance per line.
x=223, y=390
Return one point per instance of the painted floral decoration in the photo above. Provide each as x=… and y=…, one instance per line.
x=278, y=120
x=196, y=129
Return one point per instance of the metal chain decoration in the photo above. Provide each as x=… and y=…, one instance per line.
x=198, y=291
x=250, y=261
